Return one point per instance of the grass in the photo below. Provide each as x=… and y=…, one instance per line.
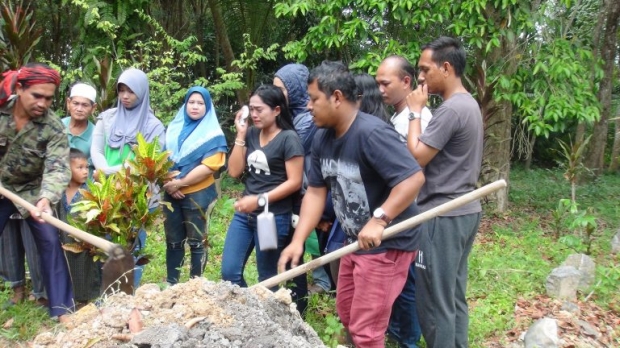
x=513, y=254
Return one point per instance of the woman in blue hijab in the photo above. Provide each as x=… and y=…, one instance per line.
x=198, y=148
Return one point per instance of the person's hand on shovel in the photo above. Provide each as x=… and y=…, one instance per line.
x=370, y=235
x=292, y=253
x=43, y=205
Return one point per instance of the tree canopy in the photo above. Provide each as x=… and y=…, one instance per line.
x=541, y=70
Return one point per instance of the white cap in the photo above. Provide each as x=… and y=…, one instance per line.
x=85, y=91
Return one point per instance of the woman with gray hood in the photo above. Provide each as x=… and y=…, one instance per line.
x=293, y=80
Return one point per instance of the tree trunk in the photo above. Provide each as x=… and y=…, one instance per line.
x=496, y=155
x=199, y=10
x=596, y=151
x=226, y=47
x=497, y=126
x=580, y=132
x=530, y=151
x=615, y=151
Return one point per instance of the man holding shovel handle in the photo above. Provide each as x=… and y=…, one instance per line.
x=34, y=153
x=374, y=181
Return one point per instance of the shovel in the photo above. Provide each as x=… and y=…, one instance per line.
x=117, y=272
x=388, y=232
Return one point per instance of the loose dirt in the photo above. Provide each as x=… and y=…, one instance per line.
x=199, y=313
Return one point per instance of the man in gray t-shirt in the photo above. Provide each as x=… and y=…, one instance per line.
x=450, y=150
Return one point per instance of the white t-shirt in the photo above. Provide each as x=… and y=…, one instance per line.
x=401, y=121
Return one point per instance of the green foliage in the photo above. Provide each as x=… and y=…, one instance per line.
x=573, y=160
x=358, y=32
x=549, y=88
x=606, y=288
x=333, y=328
x=584, y=225
x=582, y=222
x=118, y=206
x=253, y=55
x=28, y=318
x=560, y=215
x=19, y=35
x=167, y=61
x=321, y=315
x=107, y=17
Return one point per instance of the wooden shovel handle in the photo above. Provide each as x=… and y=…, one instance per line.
x=390, y=231
x=113, y=250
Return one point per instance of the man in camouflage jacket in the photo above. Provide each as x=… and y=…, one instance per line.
x=34, y=163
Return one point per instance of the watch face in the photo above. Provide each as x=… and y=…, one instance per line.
x=261, y=201
x=378, y=213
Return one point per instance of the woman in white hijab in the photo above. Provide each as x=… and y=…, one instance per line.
x=117, y=129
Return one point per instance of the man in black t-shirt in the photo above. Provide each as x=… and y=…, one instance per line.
x=374, y=181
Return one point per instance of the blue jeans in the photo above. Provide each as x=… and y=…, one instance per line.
x=241, y=238
x=138, y=270
x=404, y=324
x=187, y=222
x=320, y=277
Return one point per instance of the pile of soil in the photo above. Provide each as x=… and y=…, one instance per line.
x=199, y=313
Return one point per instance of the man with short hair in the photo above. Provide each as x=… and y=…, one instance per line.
x=450, y=150
x=395, y=78
x=81, y=104
x=373, y=181
x=34, y=163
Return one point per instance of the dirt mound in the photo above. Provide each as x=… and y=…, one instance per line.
x=199, y=313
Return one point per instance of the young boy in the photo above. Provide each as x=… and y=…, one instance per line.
x=85, y=272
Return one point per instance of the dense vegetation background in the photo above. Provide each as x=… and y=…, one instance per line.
x=542, y=70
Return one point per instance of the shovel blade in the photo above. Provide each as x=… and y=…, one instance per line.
x=117, y=273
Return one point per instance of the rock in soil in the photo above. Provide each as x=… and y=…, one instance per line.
x=199, y=313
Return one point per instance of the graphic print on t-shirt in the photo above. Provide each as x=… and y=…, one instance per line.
x=257, y=161
x=348, y=194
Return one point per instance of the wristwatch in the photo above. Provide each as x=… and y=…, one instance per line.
x=262, y=200
x=379, y=213
x=414, y=115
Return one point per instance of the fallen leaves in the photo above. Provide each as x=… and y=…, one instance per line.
x=585, y=322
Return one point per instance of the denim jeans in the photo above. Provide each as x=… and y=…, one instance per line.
x=404, y=323
x=320, y=277
x=187, y=222
x=138, y=269
x=241, y=238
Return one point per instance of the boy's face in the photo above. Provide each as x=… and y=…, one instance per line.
x=79, y=170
